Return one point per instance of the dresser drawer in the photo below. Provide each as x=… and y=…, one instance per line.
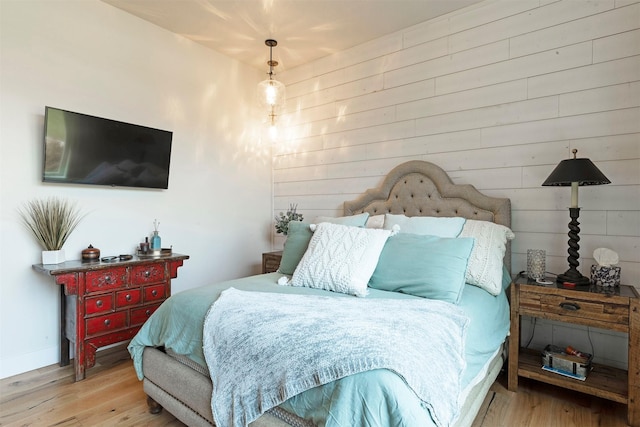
x=154, y=293
x=106, y=323
x=150, y=273
x=600, y=310
x=128, y=297
x=99, y=304
x=140, y=315
x=105, y=279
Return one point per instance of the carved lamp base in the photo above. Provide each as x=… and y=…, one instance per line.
x=572, y=275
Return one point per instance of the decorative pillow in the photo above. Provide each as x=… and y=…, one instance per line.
x=354, y=220
x=375, y=221
x=431, y=225
x=425, y=266
x=340, y=258
x=298, y=238
x=485, y=264
x=299, y=235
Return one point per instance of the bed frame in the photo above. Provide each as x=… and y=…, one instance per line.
x=414, y=188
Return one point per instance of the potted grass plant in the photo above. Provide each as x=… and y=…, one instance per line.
x=51, y=221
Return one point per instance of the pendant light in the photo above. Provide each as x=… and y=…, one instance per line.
x=271, y=93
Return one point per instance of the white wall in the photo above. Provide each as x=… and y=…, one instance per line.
x=496, y=94
x=89, y=57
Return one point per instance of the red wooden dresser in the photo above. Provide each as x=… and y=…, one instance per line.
x=106, y=303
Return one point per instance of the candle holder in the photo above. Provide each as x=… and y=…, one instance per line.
x=536, y=264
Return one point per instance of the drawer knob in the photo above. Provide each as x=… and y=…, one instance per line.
x=571, y=306
x=107, y=322
x=107, y=279
x=148, y=313
x=154, y=293
x=99, y=303
x=147, y=273
x=128, y=297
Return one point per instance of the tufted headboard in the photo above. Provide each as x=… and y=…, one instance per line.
x=419, y=188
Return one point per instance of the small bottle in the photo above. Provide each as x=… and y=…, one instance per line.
x=155, y=241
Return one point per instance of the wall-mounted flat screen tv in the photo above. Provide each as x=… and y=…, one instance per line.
x=83, y=149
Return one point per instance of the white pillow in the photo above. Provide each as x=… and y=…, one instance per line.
x=485, y=263
x=340, y=258
x=430, y=225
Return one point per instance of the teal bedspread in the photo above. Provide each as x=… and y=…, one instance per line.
x=380, y=397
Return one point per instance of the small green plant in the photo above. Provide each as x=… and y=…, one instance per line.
x=51, y=221
x=282, y=220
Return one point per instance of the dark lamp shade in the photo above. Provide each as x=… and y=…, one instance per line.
x=582, y=171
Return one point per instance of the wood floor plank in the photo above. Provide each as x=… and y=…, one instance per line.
x=112, y=395
x=542, y=405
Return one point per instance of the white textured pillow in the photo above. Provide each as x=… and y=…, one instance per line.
x=340, y=258
x=485, y=264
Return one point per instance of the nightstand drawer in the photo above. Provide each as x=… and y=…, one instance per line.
x=98, y=304
x=128, y=297
x=107, y=323
x=151, y=273
x=599, y=310
x=107, y=279
x=140, y=315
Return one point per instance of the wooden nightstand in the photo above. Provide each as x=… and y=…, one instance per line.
x=271, y=261
x=618, y=310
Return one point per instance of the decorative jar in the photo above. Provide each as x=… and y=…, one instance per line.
x=536, y=263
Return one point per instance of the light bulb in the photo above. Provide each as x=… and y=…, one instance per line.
x=271, y=95
x=273, y=133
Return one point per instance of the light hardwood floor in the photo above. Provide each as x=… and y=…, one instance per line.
x=112, y=395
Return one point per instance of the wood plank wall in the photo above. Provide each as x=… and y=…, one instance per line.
x=496, y=94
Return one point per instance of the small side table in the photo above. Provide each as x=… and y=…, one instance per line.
x=271, y=261
x=616, y=309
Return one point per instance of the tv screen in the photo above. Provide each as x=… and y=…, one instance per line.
x=83, y=149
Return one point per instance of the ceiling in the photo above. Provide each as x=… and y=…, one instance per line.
x=304, y=29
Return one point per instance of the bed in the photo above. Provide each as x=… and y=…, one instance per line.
x=168, y=350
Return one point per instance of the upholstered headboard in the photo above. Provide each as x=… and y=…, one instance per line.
x=419, y=188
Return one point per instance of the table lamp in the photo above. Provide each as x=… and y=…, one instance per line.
x=575, y=172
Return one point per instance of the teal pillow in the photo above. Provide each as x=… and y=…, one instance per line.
x=298, y=238
x=431, y=225
x=354, y=220
x=425, y=266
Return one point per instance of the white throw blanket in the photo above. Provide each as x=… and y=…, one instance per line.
x=263, y=348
